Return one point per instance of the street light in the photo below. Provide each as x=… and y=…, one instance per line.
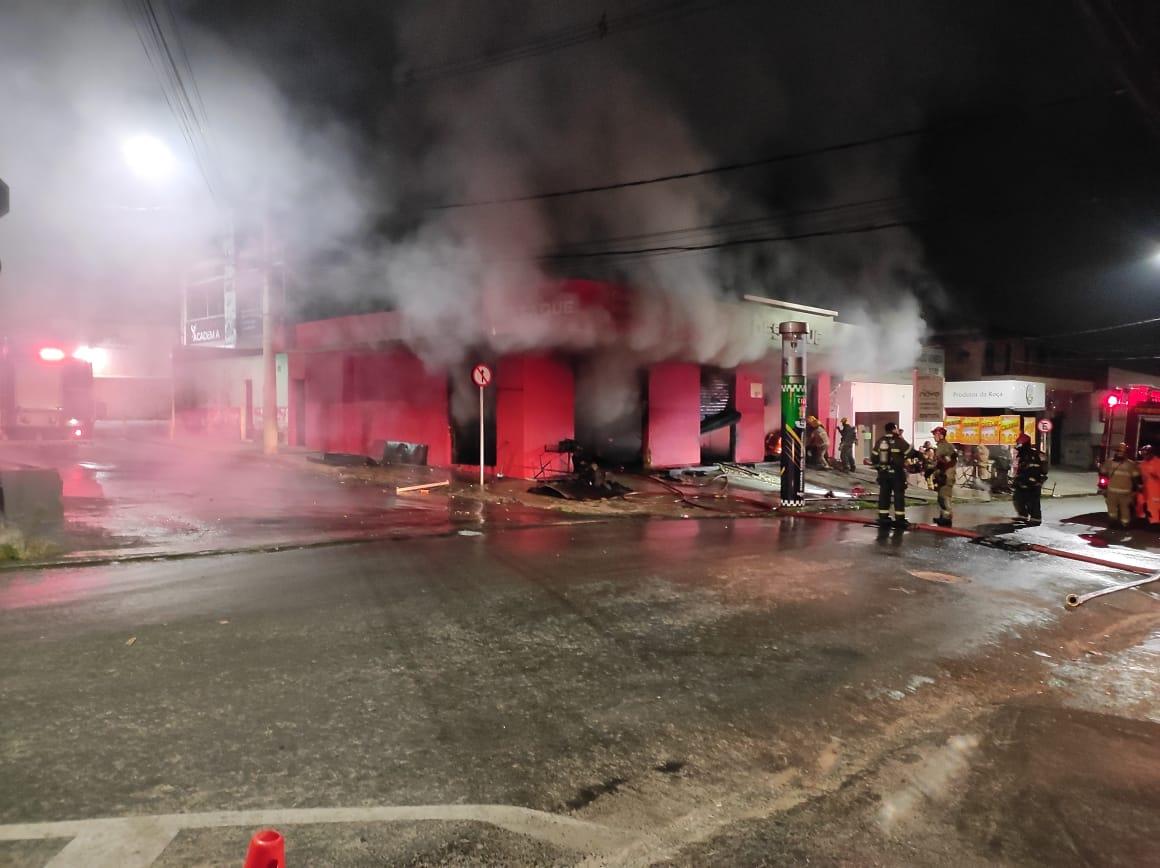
x=148, y=157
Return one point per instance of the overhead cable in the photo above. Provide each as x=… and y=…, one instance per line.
x=770, y=160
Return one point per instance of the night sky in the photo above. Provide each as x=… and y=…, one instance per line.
x=1034, y=193
x=1029, y=193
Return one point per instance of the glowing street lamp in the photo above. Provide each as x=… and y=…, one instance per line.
x=148, y=157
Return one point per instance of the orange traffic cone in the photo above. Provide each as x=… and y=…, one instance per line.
x=267, y=850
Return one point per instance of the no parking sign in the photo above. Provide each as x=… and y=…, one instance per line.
x=481, y=376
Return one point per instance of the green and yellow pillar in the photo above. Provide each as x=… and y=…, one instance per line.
x=793, y=411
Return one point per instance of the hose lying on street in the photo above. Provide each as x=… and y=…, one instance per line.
x=1074, y=601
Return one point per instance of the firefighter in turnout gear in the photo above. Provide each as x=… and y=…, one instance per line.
x=1030, y=473
x=847, y=435
x=1123, y=475
x=1150, y=482
x=889, y=459
x=943, y=478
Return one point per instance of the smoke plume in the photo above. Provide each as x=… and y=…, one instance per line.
x=353, y=211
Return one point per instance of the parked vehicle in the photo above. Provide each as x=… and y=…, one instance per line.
x=45, y=394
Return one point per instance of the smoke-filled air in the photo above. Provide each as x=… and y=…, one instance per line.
x=359, y=215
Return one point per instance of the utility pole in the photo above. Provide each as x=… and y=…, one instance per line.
x=269, y=363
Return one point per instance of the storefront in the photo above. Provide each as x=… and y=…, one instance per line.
x=993, y=412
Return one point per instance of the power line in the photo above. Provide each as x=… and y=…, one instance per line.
x=731, y=242
x=566, y=37
x=784, y=157
x=689, y=234
x=894, y=218
x=1123, y=325
x=191, y=117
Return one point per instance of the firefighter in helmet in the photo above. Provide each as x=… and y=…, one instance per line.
x=1030, y=473
x=1150, y=483
x=1123, y=477
x=943, y=478
x=889, y=459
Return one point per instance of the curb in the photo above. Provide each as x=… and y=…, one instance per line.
x=269, y=548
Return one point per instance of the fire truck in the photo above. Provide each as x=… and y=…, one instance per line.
x=46, y=393
x=1130, y=415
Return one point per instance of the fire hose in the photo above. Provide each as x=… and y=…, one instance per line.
x=1074, y=601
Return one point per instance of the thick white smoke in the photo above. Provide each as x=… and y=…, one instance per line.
x=588, y=116
x=85, y=234
x=90, y=237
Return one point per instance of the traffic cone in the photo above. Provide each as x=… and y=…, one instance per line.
x=267, y=850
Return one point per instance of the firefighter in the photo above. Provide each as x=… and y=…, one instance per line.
x=889, y=458
x=847, y=434
x=945, y=459
x=817, y=443
x=1123, y=475
x=1150, y=483
x=1030, y=472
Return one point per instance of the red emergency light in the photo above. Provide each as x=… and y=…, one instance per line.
x=51, y=354
x=1112, y=401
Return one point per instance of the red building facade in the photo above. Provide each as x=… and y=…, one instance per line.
x=356, y=381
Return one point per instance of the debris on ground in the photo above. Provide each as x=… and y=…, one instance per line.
x=576, y=489
x=422, y=486
x=344, y=459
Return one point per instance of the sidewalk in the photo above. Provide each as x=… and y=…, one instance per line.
x=1061, y=482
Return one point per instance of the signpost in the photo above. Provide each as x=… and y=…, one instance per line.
x=481, y=376
x=1044, y=426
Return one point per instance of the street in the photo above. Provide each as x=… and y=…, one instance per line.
x=693, y=692
x=658, y=433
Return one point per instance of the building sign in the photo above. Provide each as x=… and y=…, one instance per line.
x=928, y=398
x=207, y=330
x=996, y=394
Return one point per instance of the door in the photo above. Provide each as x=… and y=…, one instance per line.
x=718, y=415
x=464, y=402
x=875, y=423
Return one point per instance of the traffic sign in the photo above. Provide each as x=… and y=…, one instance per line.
x=481, y=375
x=1044, y=426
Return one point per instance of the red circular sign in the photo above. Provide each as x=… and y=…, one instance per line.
x=1044, y=425
x=481, y=375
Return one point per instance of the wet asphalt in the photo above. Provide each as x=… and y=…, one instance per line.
x=723, y=691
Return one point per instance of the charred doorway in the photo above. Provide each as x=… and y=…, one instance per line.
x=610, y=410
x=463, y=401
x=719, y=415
